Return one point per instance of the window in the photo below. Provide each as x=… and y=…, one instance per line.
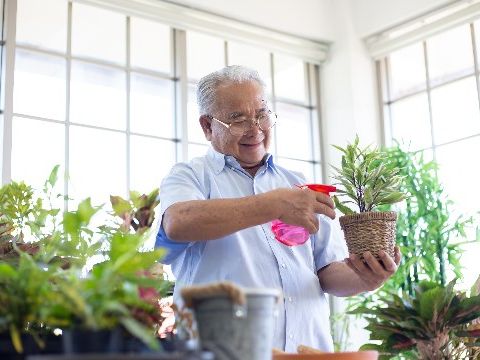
x=100, y=101
x=111, y=98
x=431, y=103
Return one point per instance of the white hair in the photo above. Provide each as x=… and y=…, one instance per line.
x=207, y=86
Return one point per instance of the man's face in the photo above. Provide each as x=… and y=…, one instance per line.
x=234, y=101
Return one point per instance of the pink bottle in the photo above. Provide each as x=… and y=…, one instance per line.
x=292, y=235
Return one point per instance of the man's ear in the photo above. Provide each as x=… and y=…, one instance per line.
x=206, y=124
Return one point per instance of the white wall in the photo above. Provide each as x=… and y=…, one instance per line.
x=371, y=16
x=348, y=86
x=306, y=18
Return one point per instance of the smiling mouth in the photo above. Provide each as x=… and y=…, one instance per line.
x=251, y=145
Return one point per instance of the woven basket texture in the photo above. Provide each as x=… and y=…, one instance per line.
x=370, y=231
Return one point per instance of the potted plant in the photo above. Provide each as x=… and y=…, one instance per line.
x=430, y=238
x=26, y=273
x=364, y=182
x=119, y=297
x=51, y=287
x=431, y=324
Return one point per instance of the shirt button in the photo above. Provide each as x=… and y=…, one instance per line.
x=290, y=299
x=290, y=336
x=284, y=266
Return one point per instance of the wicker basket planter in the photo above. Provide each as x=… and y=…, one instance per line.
x=370, y=231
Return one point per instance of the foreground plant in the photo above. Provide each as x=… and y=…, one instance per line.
x=431, y=325
x=48, y=281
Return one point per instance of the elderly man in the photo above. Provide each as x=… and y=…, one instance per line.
x=217, y=212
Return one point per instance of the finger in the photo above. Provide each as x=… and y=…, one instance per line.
x=398, y=255
x=374, y=264
x=325, y=199
x=310, y=223
x=315, y=224
x=358, y=263
x=325, y=210
x=359, y=268
x=388, y=262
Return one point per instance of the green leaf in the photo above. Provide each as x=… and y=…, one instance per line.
x=120, y=206
x=53, y=177
x=141, y=332
x=85, y=211
x=344, y=209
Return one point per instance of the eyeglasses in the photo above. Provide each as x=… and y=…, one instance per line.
x=242, y=125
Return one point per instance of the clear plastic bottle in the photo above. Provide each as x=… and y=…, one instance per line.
x=292, y=235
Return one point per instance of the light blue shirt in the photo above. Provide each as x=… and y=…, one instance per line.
x=252, y=257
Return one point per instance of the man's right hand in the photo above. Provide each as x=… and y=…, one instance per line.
x=300, y=206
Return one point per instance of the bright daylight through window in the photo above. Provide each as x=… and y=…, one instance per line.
x=99, y=92
x=431, y=103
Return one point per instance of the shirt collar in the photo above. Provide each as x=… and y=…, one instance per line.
x=219, y=160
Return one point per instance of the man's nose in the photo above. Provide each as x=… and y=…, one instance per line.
x=254, y=127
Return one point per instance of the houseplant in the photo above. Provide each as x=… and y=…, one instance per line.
x=39, y=293
x=119, y=296
x=431, y=323
x=364, y=183
x=430, y=237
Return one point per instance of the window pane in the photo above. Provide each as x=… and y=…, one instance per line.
x=411, y=122
x=303, y=167
x=97, y=164
x=470, y=264
x=195, y=132
x=205, y=54
x=455, y=110
x=407, y=70
x=152, y=106
x=252, y=57
x=98, y=96
x=151, y=45
x=42, y=23
x=460, y=179
x=146, y=174
x=450, y=54
x=98, y=33
x=37, y=146
x=294, y=134
x=458, y=175
x=39, y=86
x=289, y=78
x=195, y=150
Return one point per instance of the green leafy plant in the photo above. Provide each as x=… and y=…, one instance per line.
x=24, y=214
x=52, y=286
x=430, y=237
x=428, y=323
x=365, y=180
x=138, y=212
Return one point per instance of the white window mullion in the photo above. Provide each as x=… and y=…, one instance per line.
x=181, y=93
x=127, y=108
x=10, y=10
x=67, y=107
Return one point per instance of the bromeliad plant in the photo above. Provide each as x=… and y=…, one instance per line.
x=366, y=183
x=431, y=324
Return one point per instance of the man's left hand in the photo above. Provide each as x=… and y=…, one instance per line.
x=373, y=272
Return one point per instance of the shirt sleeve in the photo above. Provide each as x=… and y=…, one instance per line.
x=329, y=244
x=182, y=184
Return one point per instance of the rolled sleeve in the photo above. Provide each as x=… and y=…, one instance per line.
x=329, y=244
x=180, y=185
